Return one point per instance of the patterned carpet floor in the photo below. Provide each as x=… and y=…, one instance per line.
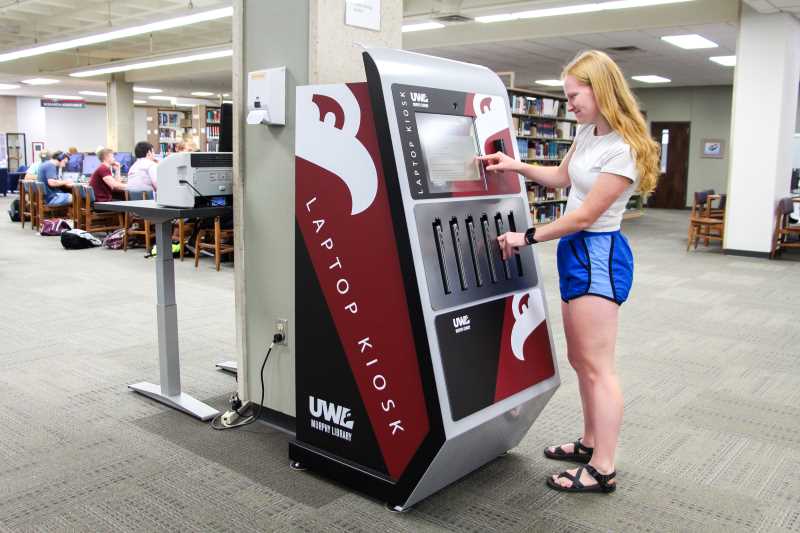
x=708, y=357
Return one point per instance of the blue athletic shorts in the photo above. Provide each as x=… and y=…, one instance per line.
x=598, y=263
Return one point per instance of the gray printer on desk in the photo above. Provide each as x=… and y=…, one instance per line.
x=195, y=179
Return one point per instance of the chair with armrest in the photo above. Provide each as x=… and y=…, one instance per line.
x=783, y=228
x=45, y=211
x=219, y=247
x=136, y=226
x=97, y=221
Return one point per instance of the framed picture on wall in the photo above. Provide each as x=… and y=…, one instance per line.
x=713, y=148
x=37, y=147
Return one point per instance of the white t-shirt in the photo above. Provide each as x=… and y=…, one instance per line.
x=142, y=175
x=593, y=155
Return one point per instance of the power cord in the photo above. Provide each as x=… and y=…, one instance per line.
x=192, y=186
x=218, y=422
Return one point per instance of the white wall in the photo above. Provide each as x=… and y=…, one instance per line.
x=60, y=128
x=708, y=109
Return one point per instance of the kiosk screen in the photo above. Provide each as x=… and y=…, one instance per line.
x=450, y=147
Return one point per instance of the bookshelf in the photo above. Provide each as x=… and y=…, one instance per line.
x=545, y=131
x=207, y=120
x=166, y=128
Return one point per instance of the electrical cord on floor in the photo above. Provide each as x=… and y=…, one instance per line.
x=249, y=419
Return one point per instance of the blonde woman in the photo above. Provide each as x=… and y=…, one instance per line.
x=612, y=156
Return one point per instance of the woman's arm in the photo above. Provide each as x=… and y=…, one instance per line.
x=605, y=192
x=543, y=175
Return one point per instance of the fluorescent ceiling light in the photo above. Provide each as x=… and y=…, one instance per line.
x=148, y=90
x=151, y=64
x=574, y=9
x=8, y=86
x=184, y=105
x=651, y=79
x=140, y=101
x=225, y=95
x=227, y=101
x=63, y=97
x=165, y=98
x=202, y=93
x=92, y=93
x=550, y=83
x=40, y=81
x=143, y=29
x=691, y=41
x=422, y=26
x=725, y=61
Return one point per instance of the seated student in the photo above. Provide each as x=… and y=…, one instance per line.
x=142, y=176
x=33, y=171
x=48, y=174
x=102, y=180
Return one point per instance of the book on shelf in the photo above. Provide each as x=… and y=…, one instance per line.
x=213, y=116
x=536, y=105
x=547, y=213
x=539, y=193
x=536, y=149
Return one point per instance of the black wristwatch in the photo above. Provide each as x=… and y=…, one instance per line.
x=530, y=236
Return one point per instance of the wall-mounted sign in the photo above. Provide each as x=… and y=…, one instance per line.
x=363, y=14
x=54, y=102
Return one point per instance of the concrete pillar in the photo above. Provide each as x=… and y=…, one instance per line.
x=311, y=40
x=119, y=114
x=763, y=123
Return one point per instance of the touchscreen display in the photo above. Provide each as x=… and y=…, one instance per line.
x=450, y=148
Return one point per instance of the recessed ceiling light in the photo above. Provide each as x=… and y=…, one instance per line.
x=8, y=86
x=148, y=90
x=139, y=101
x=165, y=98
x=143, y=29
x=202, y=93
x=725, y=61
x=690, y=41
x=63, y=97
x=651, y=78
x=550, y=83
x=422, y=26
x=177, y=60
x=92, y=93
x=574, y=9
x=40, y=81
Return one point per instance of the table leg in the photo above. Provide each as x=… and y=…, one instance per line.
x=169, y=390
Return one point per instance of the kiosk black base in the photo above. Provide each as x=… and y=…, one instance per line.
x=421, y=354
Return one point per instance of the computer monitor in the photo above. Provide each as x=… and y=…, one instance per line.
x=90, y=164
x=125, y=159
x=75, y=163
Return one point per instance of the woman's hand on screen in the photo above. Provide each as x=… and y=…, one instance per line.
x=498, y=162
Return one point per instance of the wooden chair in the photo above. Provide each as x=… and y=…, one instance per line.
x=34, y=197
x=144, y=226
x=185, y=230
x=27, y=210
x=217, y=245
x=783, y=227
x=701, y=223
x=77, y=223
x=43, y=210
x=94, y=221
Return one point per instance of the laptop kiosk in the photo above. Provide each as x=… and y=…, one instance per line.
x=420, y=354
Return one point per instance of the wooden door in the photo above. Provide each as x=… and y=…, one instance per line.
x=673, y=137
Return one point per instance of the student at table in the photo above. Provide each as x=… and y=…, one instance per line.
x=106, y=179
x=48, y=174
x=142, y=175
x=32, y=172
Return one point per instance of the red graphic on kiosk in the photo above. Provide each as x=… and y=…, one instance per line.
x=491, y=126
x=343, y=213
x=525, y=355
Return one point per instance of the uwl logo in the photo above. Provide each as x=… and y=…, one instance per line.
x=420, y=98
x=461, y=323
x=330, y=412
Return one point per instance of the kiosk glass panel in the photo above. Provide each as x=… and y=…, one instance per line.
x=450, y=148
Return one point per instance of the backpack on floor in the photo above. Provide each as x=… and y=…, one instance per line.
x=113, y=241
x=13, y=210
x=77, y=239
x=54, y=227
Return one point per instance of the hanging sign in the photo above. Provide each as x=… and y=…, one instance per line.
x=363, y=14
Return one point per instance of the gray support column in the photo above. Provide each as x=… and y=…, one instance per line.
x=762, y=128
x=167, y=313
x=119, y=114
x=307, y=36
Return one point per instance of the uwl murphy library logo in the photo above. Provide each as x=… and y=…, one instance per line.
x=330, y=418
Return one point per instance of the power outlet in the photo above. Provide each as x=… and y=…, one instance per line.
x=282, y=327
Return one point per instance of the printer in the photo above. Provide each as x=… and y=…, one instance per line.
x=195, y=179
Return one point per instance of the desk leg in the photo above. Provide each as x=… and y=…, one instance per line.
x=169, y=391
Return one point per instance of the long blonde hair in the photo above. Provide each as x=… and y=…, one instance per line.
x=618, y=106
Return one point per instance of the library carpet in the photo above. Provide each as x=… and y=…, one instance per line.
x=707, y=356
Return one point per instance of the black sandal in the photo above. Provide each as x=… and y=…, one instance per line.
x=579, y=454
x=602, y=485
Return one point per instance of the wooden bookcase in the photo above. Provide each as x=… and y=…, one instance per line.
x=206, y=127
x=545, y=131
x=166, y=128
